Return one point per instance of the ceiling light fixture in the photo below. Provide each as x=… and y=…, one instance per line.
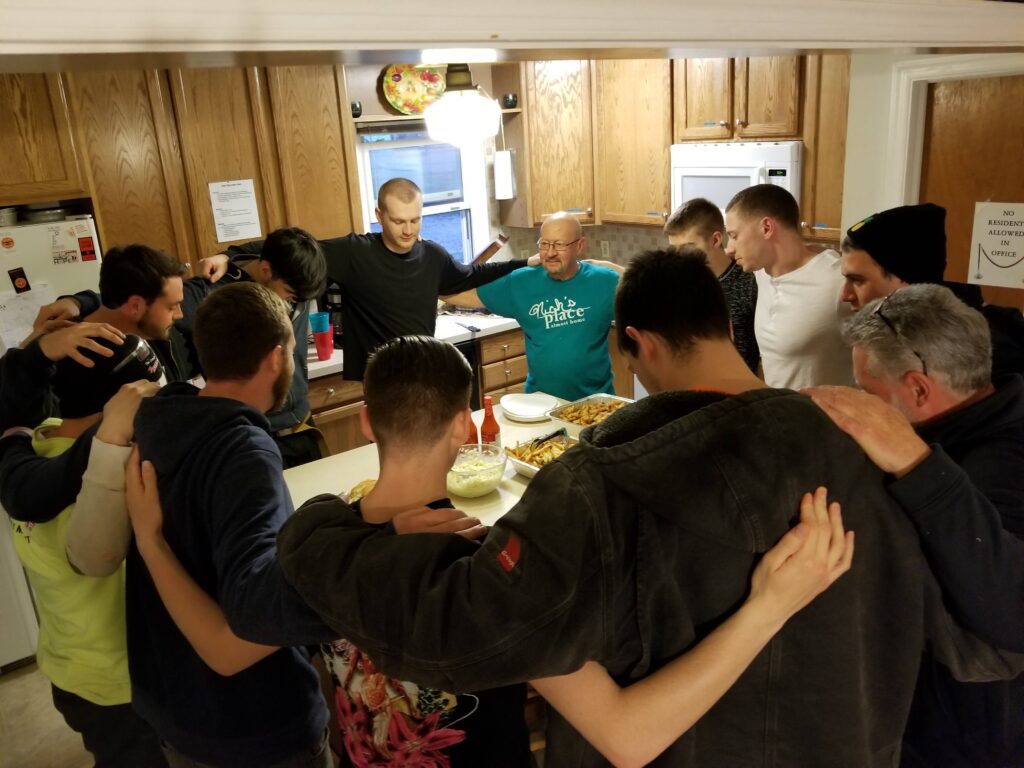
x=464, y=115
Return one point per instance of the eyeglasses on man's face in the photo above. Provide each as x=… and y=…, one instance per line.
x=547, y=245
x=877, y=311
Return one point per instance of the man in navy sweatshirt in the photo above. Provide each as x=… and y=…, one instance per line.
x=224, y=498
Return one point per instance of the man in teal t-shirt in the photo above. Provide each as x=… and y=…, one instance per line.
x=565, y=309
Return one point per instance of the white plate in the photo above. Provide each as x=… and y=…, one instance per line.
x=531, y=407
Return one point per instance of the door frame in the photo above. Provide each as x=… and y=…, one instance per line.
x=909, y=107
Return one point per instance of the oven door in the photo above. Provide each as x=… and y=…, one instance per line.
x=717, y=184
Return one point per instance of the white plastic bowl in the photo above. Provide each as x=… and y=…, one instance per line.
x=477, y=471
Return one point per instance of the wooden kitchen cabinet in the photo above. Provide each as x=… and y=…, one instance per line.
x=826, y=101
x=39, y=160
x=503, y=365
x=335, y=404
x=559, y=115
x=133, y=161
x=633, y=131
x=746, y=98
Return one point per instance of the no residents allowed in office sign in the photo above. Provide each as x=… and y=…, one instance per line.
x=997, y=245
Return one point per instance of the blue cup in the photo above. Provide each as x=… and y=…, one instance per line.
x=319, y=321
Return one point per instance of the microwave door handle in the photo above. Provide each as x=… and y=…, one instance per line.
x=762, y=174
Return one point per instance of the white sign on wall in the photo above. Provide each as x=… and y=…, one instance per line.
x=997, y=245
x=235, y=214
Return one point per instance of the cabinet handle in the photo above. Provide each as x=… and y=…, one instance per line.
x=504, y=347
x=508, y=373
x=723, y=123
x=330, y=391
x=741, y=123
x=803, y=225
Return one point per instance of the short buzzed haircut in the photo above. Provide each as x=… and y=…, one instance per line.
x=700, y=215
x=236, y=326
x=924, y=325
x=414, y=386
x=404, y=189
x=135, y=270
x=767, y=200
x=671, y=293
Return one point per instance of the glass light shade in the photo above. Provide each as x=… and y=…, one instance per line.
x=463, y=118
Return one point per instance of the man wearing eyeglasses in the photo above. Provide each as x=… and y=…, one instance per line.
x=960, y=478
x=565, y=308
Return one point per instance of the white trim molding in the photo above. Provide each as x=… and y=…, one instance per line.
x=908, y=111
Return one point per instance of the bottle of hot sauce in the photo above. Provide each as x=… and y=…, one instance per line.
x=489, y=430
x=472, y=438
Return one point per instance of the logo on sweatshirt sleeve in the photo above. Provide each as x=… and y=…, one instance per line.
x=508, y=557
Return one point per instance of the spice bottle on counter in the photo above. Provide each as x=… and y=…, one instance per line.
x=489, y=430
x=472, y=438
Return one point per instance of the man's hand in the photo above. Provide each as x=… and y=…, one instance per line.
x=68, y=341
x=533, y=261
x=62, y=309
x=143, y=499
x=118, y=424
x=213, y=268
x=882, y=432
x=805, y=561
x=427, y=520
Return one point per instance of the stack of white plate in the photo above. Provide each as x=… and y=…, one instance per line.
x=528, y=408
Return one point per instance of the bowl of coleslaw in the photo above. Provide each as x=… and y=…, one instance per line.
x=477, y=471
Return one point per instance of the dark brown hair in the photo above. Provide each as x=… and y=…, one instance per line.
x=767, y=200
x=135, y=270
x=699, y=214
x=236, y=326
x=414, y=386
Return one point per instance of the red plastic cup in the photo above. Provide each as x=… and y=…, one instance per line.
x=324, y=341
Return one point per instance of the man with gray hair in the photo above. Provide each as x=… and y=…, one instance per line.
x=960, y=478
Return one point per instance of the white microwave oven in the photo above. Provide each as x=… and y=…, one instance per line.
x=717, y=171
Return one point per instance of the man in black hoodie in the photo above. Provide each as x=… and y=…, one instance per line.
x=960, y=479
x=224, y=498
x=632, y=548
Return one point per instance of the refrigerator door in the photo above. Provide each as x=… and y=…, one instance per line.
x=19, y=629
x=38, y=263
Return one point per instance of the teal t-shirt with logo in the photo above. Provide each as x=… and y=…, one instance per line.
x=566, y=326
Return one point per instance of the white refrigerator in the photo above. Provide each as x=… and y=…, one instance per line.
x=38, y=262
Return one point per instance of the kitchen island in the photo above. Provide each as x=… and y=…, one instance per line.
x=338, y=473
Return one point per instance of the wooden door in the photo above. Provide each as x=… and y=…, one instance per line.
x=702, y=99
x=973, y=152
x=560, y=138
x=38, y=156
x=633, y=131
x=129, y=139
x=227, y=133
x=826, y=98
x=309, y=109
x=765, y=96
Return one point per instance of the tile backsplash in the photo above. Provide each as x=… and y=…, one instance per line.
x=624, y=242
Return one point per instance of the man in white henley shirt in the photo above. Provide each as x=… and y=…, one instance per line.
x=799, y=314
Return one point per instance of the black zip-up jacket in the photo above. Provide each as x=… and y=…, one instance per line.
x=632, y=548
x=967, y=500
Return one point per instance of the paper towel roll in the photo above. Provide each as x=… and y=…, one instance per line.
x=504, y=175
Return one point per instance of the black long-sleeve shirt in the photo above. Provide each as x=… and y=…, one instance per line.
x=386, y=294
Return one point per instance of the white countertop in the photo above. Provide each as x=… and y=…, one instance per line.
x=338, y=473
x=448, y=329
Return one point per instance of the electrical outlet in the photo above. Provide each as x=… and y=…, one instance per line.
x=524, y=254
x=606, y=251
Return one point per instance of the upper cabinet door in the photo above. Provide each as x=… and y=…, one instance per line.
x=560, y=138
x=633, y=120
x=766, y=96
x=703, y=99
x=226, y=134
x=129, y=139
x=309, y=104
x=38, y=156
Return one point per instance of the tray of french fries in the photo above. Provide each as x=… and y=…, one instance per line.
x=527, y=458
x=586, y=412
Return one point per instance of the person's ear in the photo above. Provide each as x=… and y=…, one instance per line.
x=919, y=387
x=716, y=239
x=458, y=430
x=379, y=214
x=364, y=424
x=767, y=227
x=134, y=308
x=644, y=340
x=266, y=272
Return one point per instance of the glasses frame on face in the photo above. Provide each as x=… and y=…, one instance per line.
x=543, y=245
x=877, y=311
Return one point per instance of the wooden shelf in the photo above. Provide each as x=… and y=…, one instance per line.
x=385, y=118
x=515, y=111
